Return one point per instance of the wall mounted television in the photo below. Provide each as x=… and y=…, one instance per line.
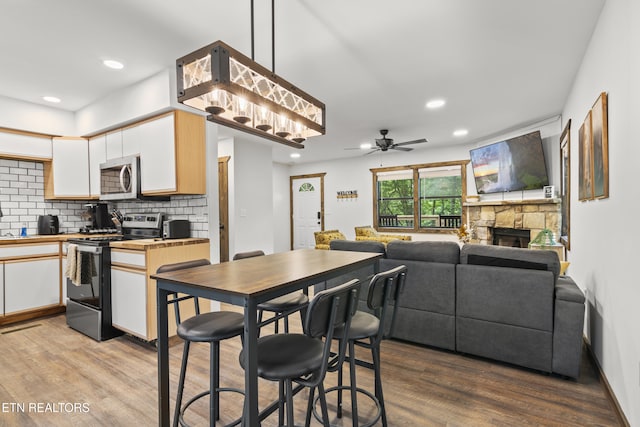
x=512, y=165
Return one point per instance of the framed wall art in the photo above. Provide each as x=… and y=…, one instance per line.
x=600, y=147
x=585, y=163
x=565, y=185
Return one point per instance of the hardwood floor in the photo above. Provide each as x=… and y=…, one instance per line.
x=51, y=375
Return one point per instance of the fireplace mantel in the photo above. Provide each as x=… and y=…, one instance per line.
x=533, y=215
x=513, y=202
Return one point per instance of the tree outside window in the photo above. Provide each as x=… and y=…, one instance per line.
x=420, y=198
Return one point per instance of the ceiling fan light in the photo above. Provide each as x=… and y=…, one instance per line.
x=365, y=146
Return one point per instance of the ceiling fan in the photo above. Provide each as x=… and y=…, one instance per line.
x=385, y=144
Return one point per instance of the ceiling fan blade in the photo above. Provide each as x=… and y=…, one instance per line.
x=417, y=141
x=373, y=150
x=395, y=147
x=353, y=148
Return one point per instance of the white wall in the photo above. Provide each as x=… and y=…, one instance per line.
x=251, y=211
x=354, y=174
x=281, y=212
x=140, y=100
x=20, y=115
x=603, y=232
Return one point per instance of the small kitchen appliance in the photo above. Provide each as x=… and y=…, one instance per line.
x=48, y=224
x=176, y=229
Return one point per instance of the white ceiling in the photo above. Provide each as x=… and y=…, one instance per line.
x=499, y=64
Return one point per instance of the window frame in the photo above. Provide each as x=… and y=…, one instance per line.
x=414, y=169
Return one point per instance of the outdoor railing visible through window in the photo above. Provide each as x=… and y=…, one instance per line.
x=420, y=198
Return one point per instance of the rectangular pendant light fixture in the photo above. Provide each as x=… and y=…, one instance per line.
x=242, y=94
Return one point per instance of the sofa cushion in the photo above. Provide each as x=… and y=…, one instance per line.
x=443, y=252
x=357, y=246
x=429, y=286
x=508, y=296
x=527, y=258
x=504, y=262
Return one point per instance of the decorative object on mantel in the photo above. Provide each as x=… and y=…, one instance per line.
x=565, y=184
x=464, y=234
x=242, y=94
x=594, y=152
x=347, y=194
x=544, y=238
x=546, y=241
x=549, y=191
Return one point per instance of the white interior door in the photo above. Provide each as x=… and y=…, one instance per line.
x=307, y=202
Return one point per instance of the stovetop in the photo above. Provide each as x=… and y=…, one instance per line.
x=96, y=240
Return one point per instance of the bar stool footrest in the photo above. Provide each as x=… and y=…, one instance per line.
x=347, y=388
x=203, y=394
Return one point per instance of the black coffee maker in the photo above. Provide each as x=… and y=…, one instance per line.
x=98, y=213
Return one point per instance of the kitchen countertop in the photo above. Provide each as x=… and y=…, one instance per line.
x=141, y=244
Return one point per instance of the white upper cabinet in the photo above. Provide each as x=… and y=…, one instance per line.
x=157, y=155
x=131, y=141
x=113, y=141
x=173, y=154
x=26, y=146
x=70, y=169
x=97, y=155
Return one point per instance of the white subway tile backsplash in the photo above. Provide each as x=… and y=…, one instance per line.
x=22, y=201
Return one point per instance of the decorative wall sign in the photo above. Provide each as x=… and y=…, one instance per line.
x=348, y=194
x=594, y=152
x=585, y=171
x=600, y=147
x=565, y=184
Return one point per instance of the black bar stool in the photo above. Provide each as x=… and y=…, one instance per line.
x=368, y=330
x=305, y=359
x=206, y=327
x=281, y=306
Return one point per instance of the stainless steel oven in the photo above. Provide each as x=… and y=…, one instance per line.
x=89, y=288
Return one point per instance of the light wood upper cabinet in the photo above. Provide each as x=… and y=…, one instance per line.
x=172, y=154
x=67, y=175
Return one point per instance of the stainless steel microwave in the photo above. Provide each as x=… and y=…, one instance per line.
x=120, y=179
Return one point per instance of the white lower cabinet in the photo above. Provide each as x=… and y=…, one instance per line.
x=31, y=283
x=129, y=300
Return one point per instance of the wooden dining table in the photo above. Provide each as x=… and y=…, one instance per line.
x=247, y=283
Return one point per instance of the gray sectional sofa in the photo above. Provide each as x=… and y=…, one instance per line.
x=507, y=304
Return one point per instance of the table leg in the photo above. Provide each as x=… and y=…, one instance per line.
x=163, y=357
x=251, y=365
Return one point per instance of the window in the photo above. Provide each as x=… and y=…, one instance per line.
x=420, y=198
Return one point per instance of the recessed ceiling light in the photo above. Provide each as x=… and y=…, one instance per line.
x=53, y=99
x=436, y=103
x=460, y=132
x=365, y=146
x=116, y=65
x=294, y=155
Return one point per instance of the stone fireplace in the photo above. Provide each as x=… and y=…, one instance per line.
x=532, y=215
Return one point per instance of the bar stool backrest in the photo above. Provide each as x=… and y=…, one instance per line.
x=328, y=310
x=173, y=297
x=250, y=254
x=384, y=291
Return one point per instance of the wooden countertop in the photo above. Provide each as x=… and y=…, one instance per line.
x=143, y=244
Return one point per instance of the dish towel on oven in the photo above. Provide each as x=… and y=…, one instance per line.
x=81, y=266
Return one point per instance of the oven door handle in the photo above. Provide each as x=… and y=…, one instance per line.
x=125, y=169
